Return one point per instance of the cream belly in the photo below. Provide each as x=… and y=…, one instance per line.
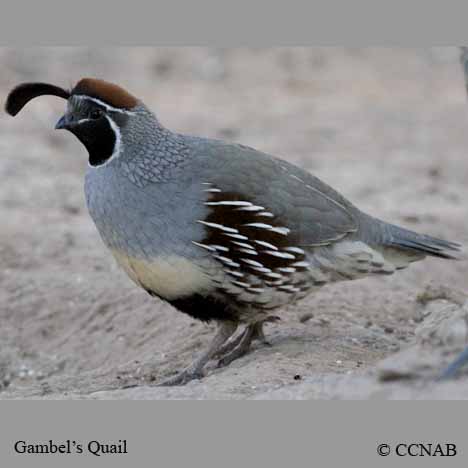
x=170, y=277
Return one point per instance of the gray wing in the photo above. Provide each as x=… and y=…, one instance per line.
x=314, y=212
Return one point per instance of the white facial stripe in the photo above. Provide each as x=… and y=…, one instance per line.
x=114, y=127
x=117, y=145
x=103, y=104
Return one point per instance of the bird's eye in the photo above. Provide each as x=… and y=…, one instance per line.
x=96, y=114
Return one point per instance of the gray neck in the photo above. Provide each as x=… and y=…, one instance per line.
x=151, y=153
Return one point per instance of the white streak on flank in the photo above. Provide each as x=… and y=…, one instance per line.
x=280, y=254
x=251, y=262
x=266, y=214
x=301, y=264
x=248, y=251
x=274, y=275
x=227, y=261
x=241, y=284
x=245, y=246
x=207, y=183
x=117, y=145
x=281, y=230
x=256, y=290
x=212, y=247
x=295, y=250
x=218, y=226
x=266, y=244
x=269, y=227
x=236, y=236
x=204, y=246
x=103, y=104
x=212, y=190
x=236, y=273
x=261, y=269
x=286, y=269
x=229, y=203
x=288, y=287
x=250, y=208
x=220, y=247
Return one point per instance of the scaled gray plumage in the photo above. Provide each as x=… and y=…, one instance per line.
x=222, y=231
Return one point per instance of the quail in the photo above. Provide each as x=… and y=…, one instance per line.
x=221, y=231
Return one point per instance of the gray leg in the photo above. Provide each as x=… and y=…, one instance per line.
x=232, y=344
x=243, y=347
x=229, y=345
x=259, y=334
x=195, y=370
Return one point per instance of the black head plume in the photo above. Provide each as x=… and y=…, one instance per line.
x=23, y=93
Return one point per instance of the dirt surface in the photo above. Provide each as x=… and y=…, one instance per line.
x=387, y=128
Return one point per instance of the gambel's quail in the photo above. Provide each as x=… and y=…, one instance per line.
x=221, y=231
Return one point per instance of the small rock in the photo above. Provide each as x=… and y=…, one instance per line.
x=434, y=292
x=306, y=317
x=411, y=219
x=445, y=325
x=322, y=321
x=71, y=209
x=228, y=132
x=404, y=365
x=434, y=172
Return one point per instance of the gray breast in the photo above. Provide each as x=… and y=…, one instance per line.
x=143, y=221
x=149, y=230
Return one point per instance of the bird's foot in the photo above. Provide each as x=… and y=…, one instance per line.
x=257, y=334
x=223, y=348
x=229, y=345
x=195, y=370
x=182, y=378
x=260, y=335
x=242, y=347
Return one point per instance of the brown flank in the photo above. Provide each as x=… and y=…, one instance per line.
x=107, y=92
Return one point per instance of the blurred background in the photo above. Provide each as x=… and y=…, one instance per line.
x=388, y=128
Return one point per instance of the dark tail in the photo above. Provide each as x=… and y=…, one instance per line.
x=408, y=240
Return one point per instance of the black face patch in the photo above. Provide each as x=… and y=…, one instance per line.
x=91, y=124
x=98, y=137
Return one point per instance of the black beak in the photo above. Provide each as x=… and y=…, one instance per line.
x=63, y=123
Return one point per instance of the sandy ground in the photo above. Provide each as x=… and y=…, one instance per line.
x=387, y=128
